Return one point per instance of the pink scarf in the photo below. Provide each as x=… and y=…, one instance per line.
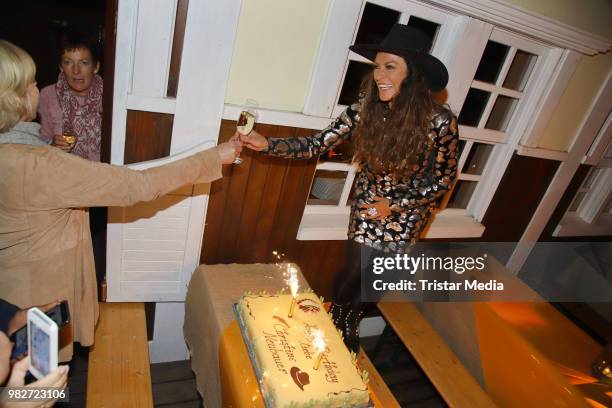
x=83, y=118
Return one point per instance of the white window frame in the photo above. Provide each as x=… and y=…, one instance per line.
x=590, y=218
x=343, y=20
x=342, y=206
x=524, y=114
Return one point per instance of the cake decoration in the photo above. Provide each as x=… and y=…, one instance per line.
x=300, y=377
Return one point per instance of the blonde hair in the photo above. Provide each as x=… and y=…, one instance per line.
x=17, y=72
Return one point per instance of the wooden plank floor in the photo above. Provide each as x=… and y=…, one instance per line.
x=174, y=385
x=401, y=373
x=77, y=379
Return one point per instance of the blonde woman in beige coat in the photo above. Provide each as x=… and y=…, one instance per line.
x=45, y=244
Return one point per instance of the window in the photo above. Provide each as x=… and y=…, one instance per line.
x=590, y=212
x=499, y=85
x=376, y=19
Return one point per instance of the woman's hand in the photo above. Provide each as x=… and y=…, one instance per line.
x=254, y=141
x=61, y=143
x=57, y=378
x=21, y=317
x=377, y=211
x=229, y=150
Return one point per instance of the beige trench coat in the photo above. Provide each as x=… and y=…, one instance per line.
x=45, y=243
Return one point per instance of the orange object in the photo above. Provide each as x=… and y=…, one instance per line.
x=531, y=355
x=239, y=387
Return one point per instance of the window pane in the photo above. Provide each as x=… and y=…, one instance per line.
x=491, y=62
x=474, y=105
x=327, y=187
x=477, y=158
x=355, y=73
x=462, y=193
x=577, y=201
x=588, y=180
x=460, y=147
x=501, y=113
x=428, y=27
x=520, y=70
x=376, y=22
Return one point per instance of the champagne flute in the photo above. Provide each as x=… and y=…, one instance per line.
x=246, y=121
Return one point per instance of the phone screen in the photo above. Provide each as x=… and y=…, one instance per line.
x=41, y=346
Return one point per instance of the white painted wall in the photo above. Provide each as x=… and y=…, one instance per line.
x=168, y=343
x=575, y=102
x=275, y=50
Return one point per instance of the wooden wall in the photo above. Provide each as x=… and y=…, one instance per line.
x=148, y=136
x=517, y=197
x=257, y=207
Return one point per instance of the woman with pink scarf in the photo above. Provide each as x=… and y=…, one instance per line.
x=74, y=103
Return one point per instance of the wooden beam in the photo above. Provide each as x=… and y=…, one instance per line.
x=452, y=380
x=119, y=373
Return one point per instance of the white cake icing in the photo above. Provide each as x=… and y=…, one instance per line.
x=285, y=356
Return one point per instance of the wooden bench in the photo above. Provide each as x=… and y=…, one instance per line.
x=119, y=374
x=453, y=381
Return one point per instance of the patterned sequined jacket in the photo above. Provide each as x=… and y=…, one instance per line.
x=411, y=197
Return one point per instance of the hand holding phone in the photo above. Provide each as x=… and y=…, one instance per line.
x=57, y=379
x=42, y=343
x=59, y=314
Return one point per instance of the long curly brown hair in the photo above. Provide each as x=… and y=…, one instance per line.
x=390, y=138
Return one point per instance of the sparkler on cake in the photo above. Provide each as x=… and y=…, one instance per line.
x=294, y=285
x=318, y=343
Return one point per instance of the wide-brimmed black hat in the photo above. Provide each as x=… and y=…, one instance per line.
x=413, y=45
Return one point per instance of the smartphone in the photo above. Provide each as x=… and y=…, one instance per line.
x=42, y=343
x=59, y=314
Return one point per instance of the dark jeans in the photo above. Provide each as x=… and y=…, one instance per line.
x=347, y=287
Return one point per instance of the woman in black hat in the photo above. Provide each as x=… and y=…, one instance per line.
x=405, y=144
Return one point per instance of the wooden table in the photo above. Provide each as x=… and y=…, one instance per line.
x=212, y=292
